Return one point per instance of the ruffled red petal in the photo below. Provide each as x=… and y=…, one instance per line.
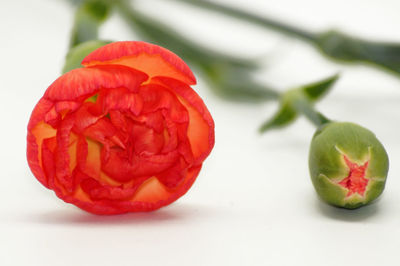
x=85, y=81
x=149, y=58
x=201, y=125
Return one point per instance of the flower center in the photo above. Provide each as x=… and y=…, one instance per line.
x=355, y=182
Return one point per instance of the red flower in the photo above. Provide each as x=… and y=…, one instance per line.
x=125, y=133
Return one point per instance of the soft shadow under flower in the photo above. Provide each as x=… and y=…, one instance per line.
x=75, y=217
x=356, y=215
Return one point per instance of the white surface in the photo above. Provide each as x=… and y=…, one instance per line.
x=253, y=203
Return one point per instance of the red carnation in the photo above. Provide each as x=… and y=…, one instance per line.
x=125, y=133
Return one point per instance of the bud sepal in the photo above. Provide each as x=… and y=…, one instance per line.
x=348, y=165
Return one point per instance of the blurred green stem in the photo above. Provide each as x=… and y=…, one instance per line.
x=334, y=44
x=89, y=16
x=306, y=108
x=262, y=21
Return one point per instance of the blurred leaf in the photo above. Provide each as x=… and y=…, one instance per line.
x=349, y=49
x=300, y=101
x=88, y=18
x=285, y=116
x=318, y=89
x=76, y=54
x=236, y=84
x=246, y=90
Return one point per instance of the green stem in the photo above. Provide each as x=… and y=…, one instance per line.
x=262, y=21
x=89, y=16
x=336, y=45
x=320, y=121
x=323, y=120
x=305, y=107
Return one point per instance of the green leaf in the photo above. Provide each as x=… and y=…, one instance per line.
x=300, y=101
x=345, y=48
x=316, y=90
x=285, y=116
x=246, y=90
x=236, y=84
x=76, y=54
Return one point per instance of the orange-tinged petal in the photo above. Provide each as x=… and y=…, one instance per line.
x=86, y=81
x=151, y=191
x=149, y=58
x=154, y=191
x=93, y=160
x=201, y=125
x=36, y=135
x=39, y=112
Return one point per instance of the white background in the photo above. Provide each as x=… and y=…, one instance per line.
x=253, y=203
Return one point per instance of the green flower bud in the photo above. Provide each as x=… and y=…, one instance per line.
x=348, y=165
